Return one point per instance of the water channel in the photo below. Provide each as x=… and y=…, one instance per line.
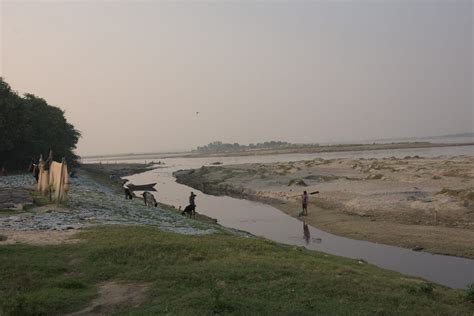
x=268, y=222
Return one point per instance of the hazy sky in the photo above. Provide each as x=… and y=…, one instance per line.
x=132, y=75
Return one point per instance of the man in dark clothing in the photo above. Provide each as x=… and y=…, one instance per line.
x=128, y=194
x=192, y=203
x=36, y=172
x=34, y=169
x=191, y=199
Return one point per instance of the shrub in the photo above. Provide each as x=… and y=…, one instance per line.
x=470, y=293
x=426, y=288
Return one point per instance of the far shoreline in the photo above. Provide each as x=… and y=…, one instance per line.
x=310, y=149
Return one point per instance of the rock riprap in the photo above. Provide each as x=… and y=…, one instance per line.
x=89, y=204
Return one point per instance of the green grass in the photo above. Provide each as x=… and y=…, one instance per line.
x=39, y=199
x=207, y=275
x=470, y=293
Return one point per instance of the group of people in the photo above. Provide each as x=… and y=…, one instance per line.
x=190, y=209
x=149, y=200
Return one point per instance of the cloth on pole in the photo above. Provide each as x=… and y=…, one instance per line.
x=54, y=181
x=43, y=180
x=58, y=180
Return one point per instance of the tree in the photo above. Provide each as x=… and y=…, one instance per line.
x=29, y=126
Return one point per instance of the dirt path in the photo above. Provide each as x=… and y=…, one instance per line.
x=37, y=237
x=113, y=295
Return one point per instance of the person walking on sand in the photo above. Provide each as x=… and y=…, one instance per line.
x=304, y=203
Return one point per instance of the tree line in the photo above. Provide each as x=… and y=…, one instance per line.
x=29, y=126
x=218, y=146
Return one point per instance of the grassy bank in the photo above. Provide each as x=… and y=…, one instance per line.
x=208, y=274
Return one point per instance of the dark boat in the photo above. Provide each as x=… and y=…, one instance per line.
x=141, y=187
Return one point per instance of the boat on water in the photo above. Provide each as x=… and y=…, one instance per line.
x=141, y=187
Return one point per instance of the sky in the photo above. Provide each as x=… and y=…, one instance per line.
x=158, y=76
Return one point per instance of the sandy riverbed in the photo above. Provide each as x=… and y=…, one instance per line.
x=411, y=202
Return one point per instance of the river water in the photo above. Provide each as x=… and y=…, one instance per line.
x=266, y=221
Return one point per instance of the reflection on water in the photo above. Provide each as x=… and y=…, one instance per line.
x=307, y=236
x=306, y=233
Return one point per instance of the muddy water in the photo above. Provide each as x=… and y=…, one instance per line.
x=269, y=222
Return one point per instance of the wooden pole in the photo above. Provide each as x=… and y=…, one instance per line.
x=40, y=168
x=61, y=180
x=49, y=162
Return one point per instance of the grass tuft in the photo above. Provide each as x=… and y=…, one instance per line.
x=470, y=293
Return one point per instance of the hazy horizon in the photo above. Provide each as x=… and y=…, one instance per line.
x=162, y=76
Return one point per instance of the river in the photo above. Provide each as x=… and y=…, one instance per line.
x=269, y=222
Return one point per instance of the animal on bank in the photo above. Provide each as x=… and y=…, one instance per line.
x=149, y=199
x=189, y=210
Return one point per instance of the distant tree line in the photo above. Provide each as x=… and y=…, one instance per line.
x=217, y=146
x=29, y=126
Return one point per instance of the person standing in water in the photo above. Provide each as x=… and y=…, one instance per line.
x=304, y=203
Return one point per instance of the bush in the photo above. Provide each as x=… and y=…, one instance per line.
x=470, y=293
x=426, y=288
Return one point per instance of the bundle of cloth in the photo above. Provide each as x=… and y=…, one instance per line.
x=53, y=179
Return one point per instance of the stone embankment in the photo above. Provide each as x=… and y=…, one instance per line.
x=90, y=204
